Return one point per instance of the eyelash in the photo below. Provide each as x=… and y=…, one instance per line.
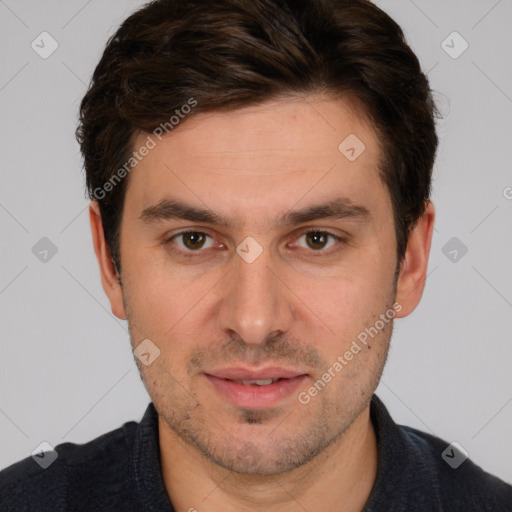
x=319, y=252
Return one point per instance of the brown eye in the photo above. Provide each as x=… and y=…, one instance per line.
x=317, y=239
x=192, y=240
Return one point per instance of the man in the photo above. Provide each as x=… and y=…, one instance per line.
x=260, y=176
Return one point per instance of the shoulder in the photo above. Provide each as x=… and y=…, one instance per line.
x=461, y=484
x=77, y=469
x=421, y=472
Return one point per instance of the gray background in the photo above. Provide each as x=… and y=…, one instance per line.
x=66, y=370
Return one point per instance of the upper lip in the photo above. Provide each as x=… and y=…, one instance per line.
x=239, y=373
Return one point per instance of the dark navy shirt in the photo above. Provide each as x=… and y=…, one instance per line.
x=120, y=471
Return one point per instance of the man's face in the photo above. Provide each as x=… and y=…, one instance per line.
x=220, y=317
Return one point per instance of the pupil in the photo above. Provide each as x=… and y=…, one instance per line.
x=317, y=239
x=194, y=240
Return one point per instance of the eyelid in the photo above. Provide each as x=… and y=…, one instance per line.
x=302, y=232
x=323, y=252
x=169, y=239
x=203, y=231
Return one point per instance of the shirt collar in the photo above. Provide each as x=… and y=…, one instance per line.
x=146, y=465
x=402, y=468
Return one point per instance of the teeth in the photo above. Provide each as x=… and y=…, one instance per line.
x=263, y=382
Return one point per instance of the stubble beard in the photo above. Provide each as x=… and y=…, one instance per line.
x=275, y=453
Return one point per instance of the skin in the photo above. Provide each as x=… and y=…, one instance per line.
x=299, y=305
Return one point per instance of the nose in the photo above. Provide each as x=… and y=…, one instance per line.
x=255, y=303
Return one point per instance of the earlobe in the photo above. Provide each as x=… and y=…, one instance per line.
x=413, y=270
x=109, y=276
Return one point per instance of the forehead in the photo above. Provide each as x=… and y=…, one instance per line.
x=313, y=126
x=262, y=157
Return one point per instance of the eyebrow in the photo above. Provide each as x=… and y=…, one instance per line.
x=170, y=209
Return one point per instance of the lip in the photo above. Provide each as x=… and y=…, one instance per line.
x=254, y=396
x=240, y=373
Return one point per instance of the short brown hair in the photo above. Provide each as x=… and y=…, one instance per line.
x=226, y=54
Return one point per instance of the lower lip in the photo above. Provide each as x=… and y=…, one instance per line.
x=254, y=396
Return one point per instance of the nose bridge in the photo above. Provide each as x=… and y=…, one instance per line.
x=254, y=304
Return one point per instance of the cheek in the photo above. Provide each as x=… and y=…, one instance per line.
x=335, y=303
x=358, y=338
x=349, y=301
x=164, y=303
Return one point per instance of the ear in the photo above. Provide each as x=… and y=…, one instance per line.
x=109, y=276
x=413, y=269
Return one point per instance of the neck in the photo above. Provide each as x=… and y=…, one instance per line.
x=338, y=479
